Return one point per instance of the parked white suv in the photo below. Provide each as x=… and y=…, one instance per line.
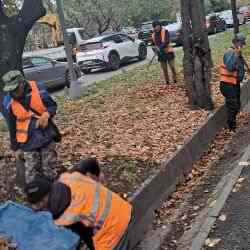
x=227, y=15
x=109, y=52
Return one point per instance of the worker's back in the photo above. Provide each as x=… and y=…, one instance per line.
x=96, y=206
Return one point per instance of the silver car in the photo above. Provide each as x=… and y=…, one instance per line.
x=53, y=73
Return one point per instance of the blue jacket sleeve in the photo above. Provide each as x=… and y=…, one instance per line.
x=47, y=99
x=164, y=44
x=230, y=60
x=11, y=122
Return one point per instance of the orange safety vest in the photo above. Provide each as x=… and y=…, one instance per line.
x=169, y=48
x=23, y=116
x=226, y=75
x=75, y=51
x=96, y=206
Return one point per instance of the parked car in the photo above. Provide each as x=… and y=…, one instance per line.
x=227, y=15
x=175, y=33
x=109, y=52
x=146, y=30
x=129, y=30
x=215, y=23
x=245, y=11
x=53, y=73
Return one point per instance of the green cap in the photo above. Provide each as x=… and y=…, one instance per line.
x=12, y=80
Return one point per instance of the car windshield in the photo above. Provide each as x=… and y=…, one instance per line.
x=165, y=22
x=173, y=26
x=146, y=26
x=226, y=13
x=210, y=17
x=83, y=35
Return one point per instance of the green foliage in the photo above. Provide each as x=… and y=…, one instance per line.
x=101, y=15
x=144, y=10
x=216, y=5
x=98, y=15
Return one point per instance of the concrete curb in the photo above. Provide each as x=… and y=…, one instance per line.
x=163, y=183
x=194, y=239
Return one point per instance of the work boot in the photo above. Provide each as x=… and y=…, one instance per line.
x=174, y=79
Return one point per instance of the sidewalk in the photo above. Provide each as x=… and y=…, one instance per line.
x=234, y=232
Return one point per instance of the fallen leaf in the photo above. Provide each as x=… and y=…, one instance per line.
x=244, y=163
x=195, y=208
x=184, y=217
x=223, y=217
x=240, y=180
x=212, y=203
x=237, y=188
x=212, y=242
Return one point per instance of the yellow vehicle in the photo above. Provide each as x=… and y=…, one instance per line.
x=53, y=21
x=76, y=36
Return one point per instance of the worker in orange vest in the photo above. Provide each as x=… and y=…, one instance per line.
x=162, y=47
x=28, y=110
x=91, y=168
x=232, y=71
x=78, y=202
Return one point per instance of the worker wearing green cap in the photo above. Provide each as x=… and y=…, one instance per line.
x=28, y=110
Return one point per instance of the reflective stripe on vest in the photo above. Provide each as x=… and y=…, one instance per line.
x=23, y=116
x=169, y=48
x=227, y=76
x=106, y=210
x=92, y=215
x=102, y=210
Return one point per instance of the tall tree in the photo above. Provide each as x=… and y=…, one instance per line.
x=235, y=17
x=13, y=32
x=197, y=57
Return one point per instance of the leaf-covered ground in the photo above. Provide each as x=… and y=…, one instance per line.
x=130, y=123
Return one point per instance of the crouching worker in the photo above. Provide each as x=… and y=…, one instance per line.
x=87, y=207
x=90, y=167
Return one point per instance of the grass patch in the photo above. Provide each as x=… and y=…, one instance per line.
x=3, y=126
x=132, y=118
x=142, y=74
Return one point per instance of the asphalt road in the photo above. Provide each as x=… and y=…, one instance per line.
x=104, y=74
x=99, y=75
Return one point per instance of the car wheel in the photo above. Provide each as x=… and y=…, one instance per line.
x=142, y=52
x=114, y=61
x=86, y=71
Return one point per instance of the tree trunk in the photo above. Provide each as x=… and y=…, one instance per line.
x=13, y=33
x=235, y=17
x=197, y=57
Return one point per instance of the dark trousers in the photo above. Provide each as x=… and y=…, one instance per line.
x=232, y=98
